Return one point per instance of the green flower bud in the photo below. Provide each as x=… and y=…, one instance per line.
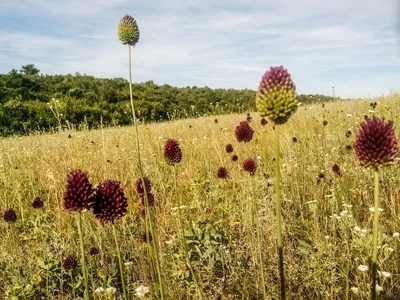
x=276, y=97
x=128, y=31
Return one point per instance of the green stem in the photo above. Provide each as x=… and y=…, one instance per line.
x=188, y=262
x=279, y=211
x=85, y=275
x=148, y=211
x=375, y=233
x=121, y=269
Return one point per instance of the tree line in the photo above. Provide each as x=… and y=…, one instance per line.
x=33, y=102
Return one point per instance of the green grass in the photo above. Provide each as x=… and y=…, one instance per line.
x=322, y=251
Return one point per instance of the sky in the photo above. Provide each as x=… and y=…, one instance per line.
x=352, y=45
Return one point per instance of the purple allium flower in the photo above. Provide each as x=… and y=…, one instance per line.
x=139, y=186
x=376, y=144
x=321, y=175
x=151, y=199
x=216, y=121
x=37, y=203
x=348, y=133
x=349, y=147
x=336, y=169
x=325, y=122
x=264, y=122
x=276, y=96
x=243, y=132
x=144, y=237
x=10, y=216
x=69, y=263
x=222, y=173
x=128, y=31
x=250, y=165
x=94, y=251
x=235, y=157
x=172, y=152
x=110, y=201
x=294, y=139
x=78, y=194
x=229, y=148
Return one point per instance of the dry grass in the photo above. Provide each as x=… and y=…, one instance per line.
x=322, y=251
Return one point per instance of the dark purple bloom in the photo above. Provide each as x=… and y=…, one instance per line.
x=243, y=132
x=94, y=251
x=235, y=157
x=222, y=173
x=78, y=194
x=139, y=186
x=10, y=216
x=336, y=169
x=229, y=148
x=172, y=152
x=69, y=263
x=264, y=122
x=250, y=165
x=376, y=144
x=325, y=122
x=37, y=203
x=110, y=201
x=151, y=199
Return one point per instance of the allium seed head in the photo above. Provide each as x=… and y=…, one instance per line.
x=10, y=216
x=235, y=157
x=69, y=263
x=243, y=132
x=276, y=96
x=128, y=31
x=37, y=203
x=376, y=144
x=229, y=148
x=222, y=173
x=250, y=165
x=139, y=186
x=78, y=194
x=172, y=152
x=110, y=201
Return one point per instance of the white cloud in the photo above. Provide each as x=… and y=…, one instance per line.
x=219, y=44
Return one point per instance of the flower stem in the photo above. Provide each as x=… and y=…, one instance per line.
x=375, y=233
x=148, y=211
x=121, y=269
x=188, y=262
x=279, y=211
x=85, y=275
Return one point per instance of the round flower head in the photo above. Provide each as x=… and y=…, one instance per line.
x=10, y=216
x=336, y=169
x=78, y=193
x=110, y=201
x=222, y=173
x=250, y=165
x=264, y=122
x=235, y=157
x=376, y=143
x=94, y=251
x=243, y=132
x=128, y=31
x=139, y=186
x=69, y=263
x=229, y=148
x=172, y=152
x=276, y=96
x=37, y=203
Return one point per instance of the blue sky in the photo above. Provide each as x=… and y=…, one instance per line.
x=353, y=45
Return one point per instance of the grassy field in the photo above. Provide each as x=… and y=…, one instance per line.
x=327, y=222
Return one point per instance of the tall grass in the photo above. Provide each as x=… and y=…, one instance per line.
x=317, y=222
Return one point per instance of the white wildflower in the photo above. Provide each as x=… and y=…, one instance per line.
x=385, y=274
x=364, y=231
x=99, y=290
x=349, y=115
x=142, y=291
x=372, y=209
x=347, y=205
x=356, y=228
x=354, y=289
x=379, y=288
x=390, y=249
x=111, y=290
x=128, y=263
x=396, y=234
x=363, y=268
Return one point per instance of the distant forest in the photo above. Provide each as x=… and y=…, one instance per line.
x=32, y=102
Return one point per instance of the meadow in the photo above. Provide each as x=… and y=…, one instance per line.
x=327, y=222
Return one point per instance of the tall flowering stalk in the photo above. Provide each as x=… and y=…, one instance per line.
x=173, y=155
x=277, y=99
x=78, y=196
x=110, y=203
x=128, y=34
x=376, y=146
